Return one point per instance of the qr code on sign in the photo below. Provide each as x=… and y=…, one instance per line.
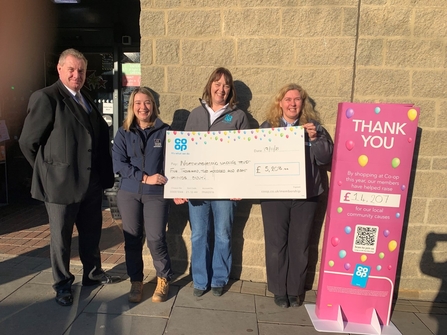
x=365, y=239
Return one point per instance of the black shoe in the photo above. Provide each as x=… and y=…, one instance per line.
x=294, y=301
x=281, y=301
x=197, y=292
x=217, y=291
x=64, y=297
x=100, y=278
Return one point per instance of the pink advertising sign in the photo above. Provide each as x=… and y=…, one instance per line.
x=373, y=153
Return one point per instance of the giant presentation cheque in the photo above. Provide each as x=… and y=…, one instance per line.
x=248, y=164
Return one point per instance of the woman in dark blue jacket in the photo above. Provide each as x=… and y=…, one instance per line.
x=288, y=222
x=138, y=158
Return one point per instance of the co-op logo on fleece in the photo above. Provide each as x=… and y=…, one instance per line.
x=180, y=144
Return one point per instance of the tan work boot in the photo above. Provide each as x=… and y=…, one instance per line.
x=161, y=291
x=136, y=291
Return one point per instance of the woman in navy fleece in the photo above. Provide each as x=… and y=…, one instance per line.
x=138, y=158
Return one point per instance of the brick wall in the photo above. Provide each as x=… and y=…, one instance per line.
x=338, y=50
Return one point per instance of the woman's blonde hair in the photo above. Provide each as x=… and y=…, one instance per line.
x=307, y=112
x=129, y=120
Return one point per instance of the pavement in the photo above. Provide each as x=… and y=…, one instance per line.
x=27, y=303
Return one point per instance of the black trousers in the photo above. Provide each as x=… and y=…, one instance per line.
x=87, y=215
x=144, y=214
x=287, y=228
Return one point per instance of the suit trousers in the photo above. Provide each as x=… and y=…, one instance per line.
x=87, y=215
x=287, y=228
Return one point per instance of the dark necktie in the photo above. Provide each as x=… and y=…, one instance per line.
x=80, y=101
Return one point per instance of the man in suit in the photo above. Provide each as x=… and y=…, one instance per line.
x=66, y=141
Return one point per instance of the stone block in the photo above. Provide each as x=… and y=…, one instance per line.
x=251, y=229
x=441, y=115
x=428, y=111
x=182, y=79
x=216, y=52
x=382, y=83
x=167, y=51
x=328, y=109
x=430, y=184
x=344, y=87
x=430, y=295
x=437, y=211
x=264, y=51
x=258, y=108
x=210, y=4
x=414, y=54
x=385, y=21
x=322, y=51
x=429, y=83
x=154, y=77
x=268, y=3
x=166, y=3
x=439, y=163
x=430, y=23
x=312, y=21
x=249, y=273
x=374, y=2
x=318, y=81
x=252, y=22
x=193, y=23
x=349, y=21
x=430, y=136
x=169, y=103
x=190, y=101
x=417, y=211
x=146, y=57
x=179, y=247
x=253, y=254
x=411, y=260
x=370, y=51
x=423, y=163
x=261, y=80
x=411, y=288
x=414, y=240
x=327, y=2
x=152, y=23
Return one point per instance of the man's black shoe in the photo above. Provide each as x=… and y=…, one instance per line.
x=294, y=301
x=100, y=278
x=64, y=297
x=281, y=301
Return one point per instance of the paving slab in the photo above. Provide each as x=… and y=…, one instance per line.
x=435, y=322
x=113, y=299
x=32, y=310
x=112, y=324
x=33, y=263
x=268, y=312
x=229, y=301
x=11, y=283
x=43, y=278
x=254, y=288
x=409, y=323
x=199, y=321
x=275, y=329
x=10, y=268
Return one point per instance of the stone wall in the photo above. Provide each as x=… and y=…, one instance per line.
x=338, y=50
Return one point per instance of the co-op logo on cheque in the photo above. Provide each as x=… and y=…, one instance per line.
x=180, y=144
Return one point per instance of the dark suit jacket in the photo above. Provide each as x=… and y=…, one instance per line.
x=57, y=141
